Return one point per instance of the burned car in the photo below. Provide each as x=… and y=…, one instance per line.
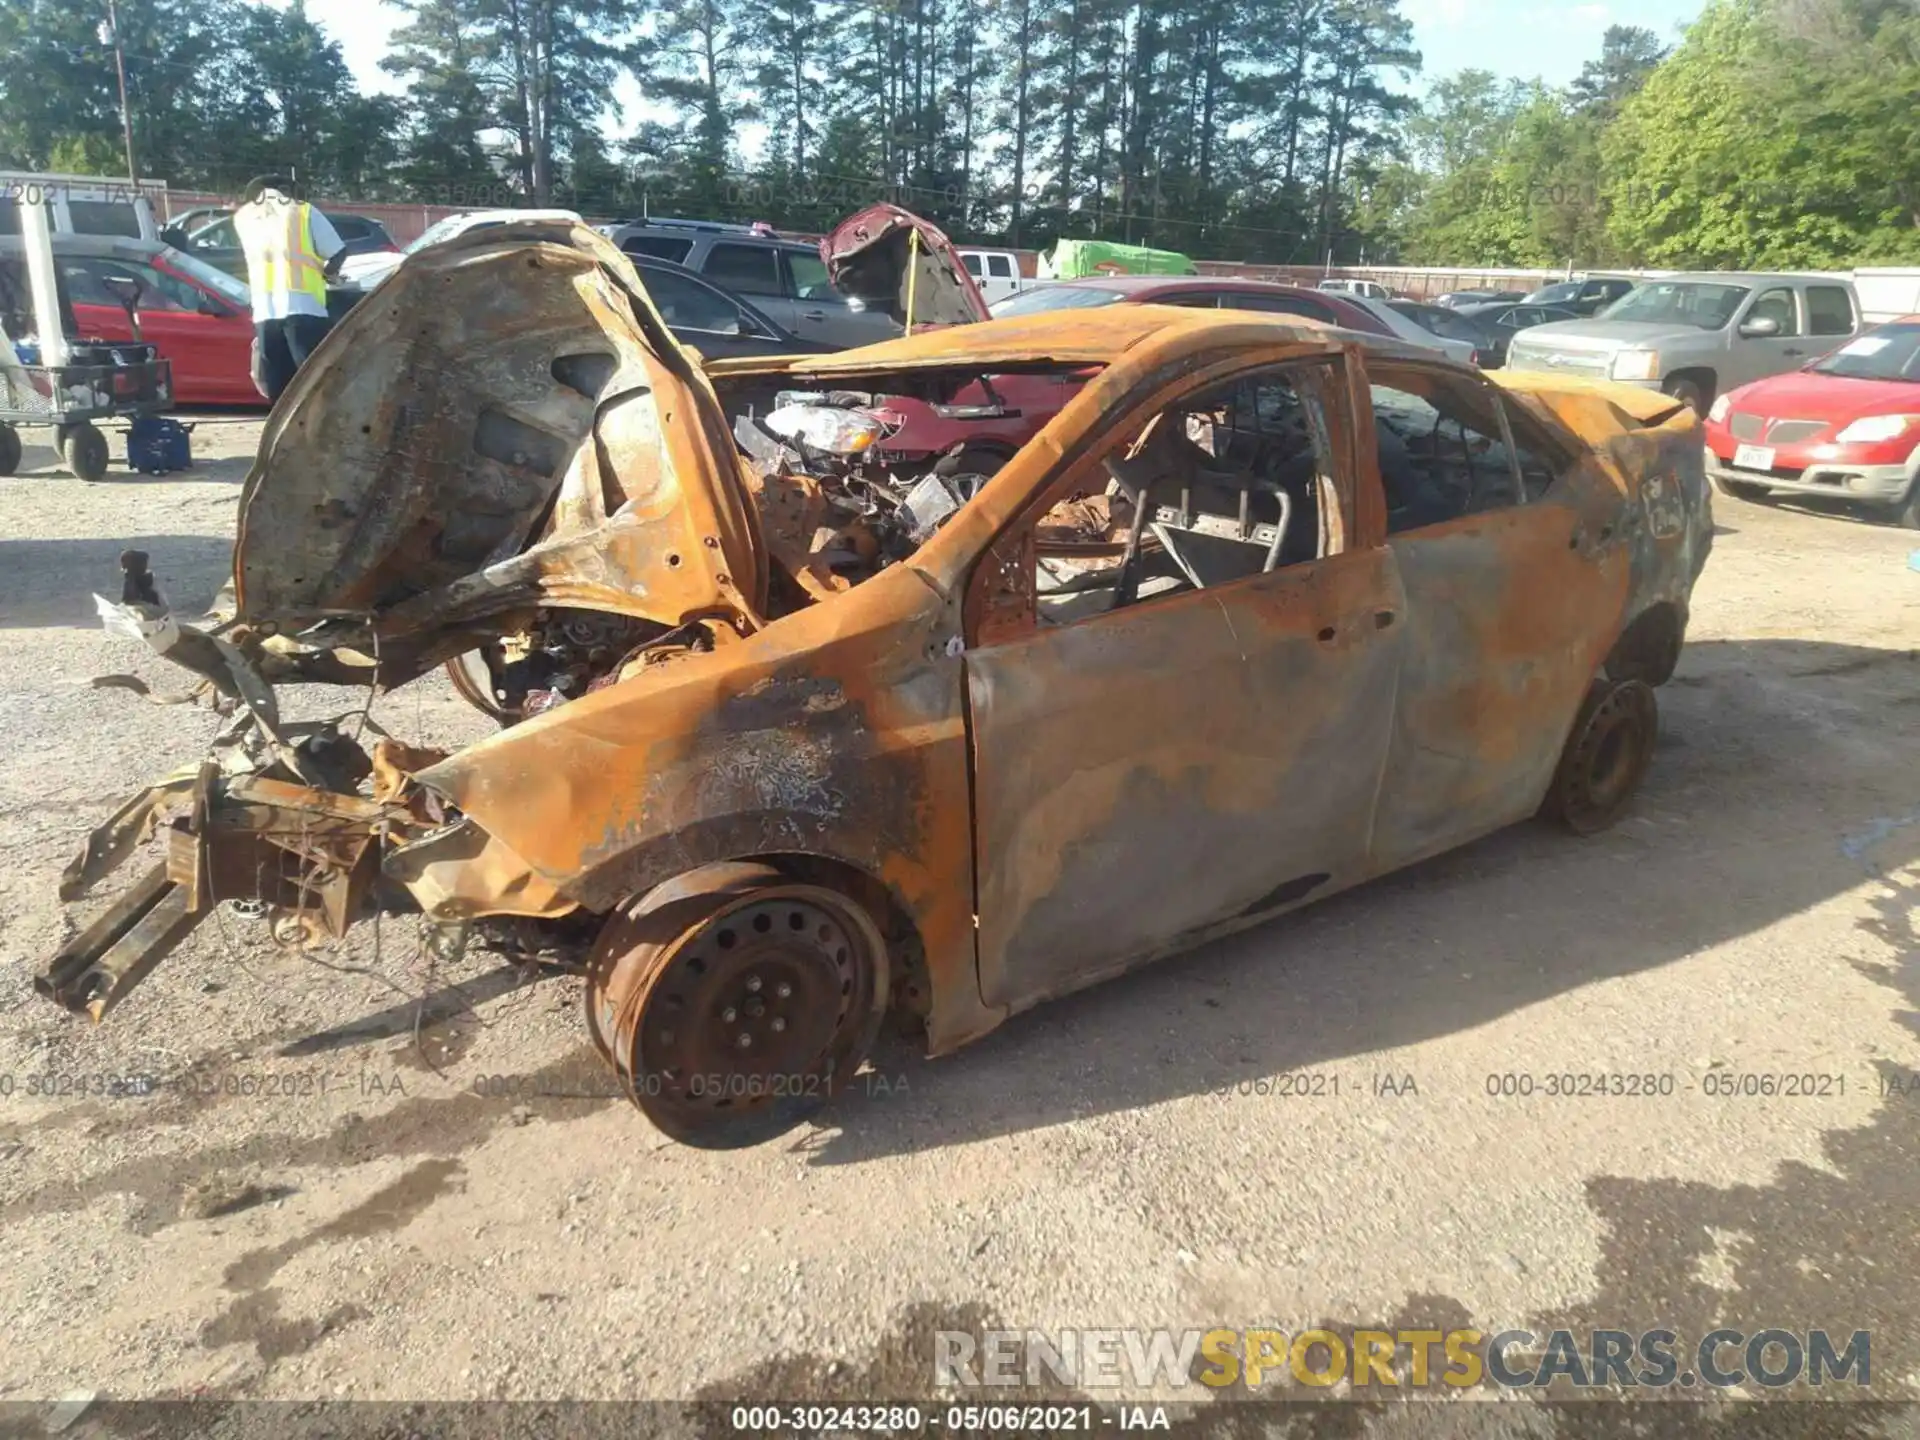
x=791, y=742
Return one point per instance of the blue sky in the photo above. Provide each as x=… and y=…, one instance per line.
x=1520, y=38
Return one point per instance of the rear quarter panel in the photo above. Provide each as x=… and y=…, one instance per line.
x=1652, y=449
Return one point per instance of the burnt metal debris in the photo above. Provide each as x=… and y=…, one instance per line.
x=794, y=736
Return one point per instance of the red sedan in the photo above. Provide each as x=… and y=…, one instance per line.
x=1847, y=426
x=200, y=318
x=995, y=417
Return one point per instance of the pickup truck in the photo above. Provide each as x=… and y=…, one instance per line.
x=1698, y=336
x=996, y=272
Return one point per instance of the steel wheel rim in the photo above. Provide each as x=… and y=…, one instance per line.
x=1614, y=749
x=757, y=1013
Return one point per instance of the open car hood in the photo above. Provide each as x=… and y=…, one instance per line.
x=507, y=423
x=884, y=254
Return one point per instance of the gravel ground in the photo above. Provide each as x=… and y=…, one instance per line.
x=378, y=1229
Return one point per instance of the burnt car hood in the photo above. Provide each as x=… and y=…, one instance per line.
x=873, y=257
x=506, y=423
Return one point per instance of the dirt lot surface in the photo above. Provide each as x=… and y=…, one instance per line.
x=321, y=1201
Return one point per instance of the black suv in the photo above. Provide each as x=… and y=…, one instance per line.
x=786, y=279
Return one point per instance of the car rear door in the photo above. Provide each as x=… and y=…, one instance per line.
x=1513, y=585
x=218, y=244
x=751, y=270
x=825, y=316
x=1832, y=316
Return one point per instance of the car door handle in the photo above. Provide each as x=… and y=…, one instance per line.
x=1790, y=350
x=813, y=314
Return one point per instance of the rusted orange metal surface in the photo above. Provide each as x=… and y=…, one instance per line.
x=1028, y=808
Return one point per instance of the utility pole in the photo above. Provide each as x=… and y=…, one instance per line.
x=110, y=34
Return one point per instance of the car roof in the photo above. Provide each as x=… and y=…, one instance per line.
x=670, y=222
x=1180, y=284
x=1735, y=277
x=507, y=212
x=696, y=229
x=1098, y=336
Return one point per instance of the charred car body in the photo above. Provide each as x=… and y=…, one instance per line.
x=793, y=741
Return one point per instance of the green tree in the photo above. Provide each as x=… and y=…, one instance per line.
x=59, y=93
x=1852, y=97
x=1707, y=169
x=701, y=59
x=1628, y=55
x=438, y=51
x=281, y=98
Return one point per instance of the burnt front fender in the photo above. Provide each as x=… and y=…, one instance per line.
x=838, y=733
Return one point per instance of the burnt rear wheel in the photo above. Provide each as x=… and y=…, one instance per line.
x=1606, y=758
x=9, y=450
x=733, y=1013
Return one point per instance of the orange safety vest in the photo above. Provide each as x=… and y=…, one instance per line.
x=278, y=239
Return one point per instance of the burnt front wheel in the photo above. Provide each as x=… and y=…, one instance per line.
x=1606, y=756
x=734, y=1014
x=472, y=679
x=1689, y=393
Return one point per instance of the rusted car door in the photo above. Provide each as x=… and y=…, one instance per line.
x=1176, y=767
x=1510, y=611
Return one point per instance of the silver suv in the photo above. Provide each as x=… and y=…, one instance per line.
x=1697, y=336
x=785, y=279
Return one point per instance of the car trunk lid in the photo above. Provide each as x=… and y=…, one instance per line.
x=893, y=261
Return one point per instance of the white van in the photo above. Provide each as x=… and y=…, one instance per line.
x=83, y=204
x=996, y=272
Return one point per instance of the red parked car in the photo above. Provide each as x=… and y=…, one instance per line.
x=199, y=318
x=1845, y=426
x=993, y=418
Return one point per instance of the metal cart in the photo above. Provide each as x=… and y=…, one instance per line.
x=99, y=382
x=69, y=384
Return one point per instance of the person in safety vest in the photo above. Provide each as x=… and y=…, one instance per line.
x=290, y=251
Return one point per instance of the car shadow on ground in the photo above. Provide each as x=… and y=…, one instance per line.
x=39, y=461
x=52, y=582
x=1718, y=846
x=1820, y=507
